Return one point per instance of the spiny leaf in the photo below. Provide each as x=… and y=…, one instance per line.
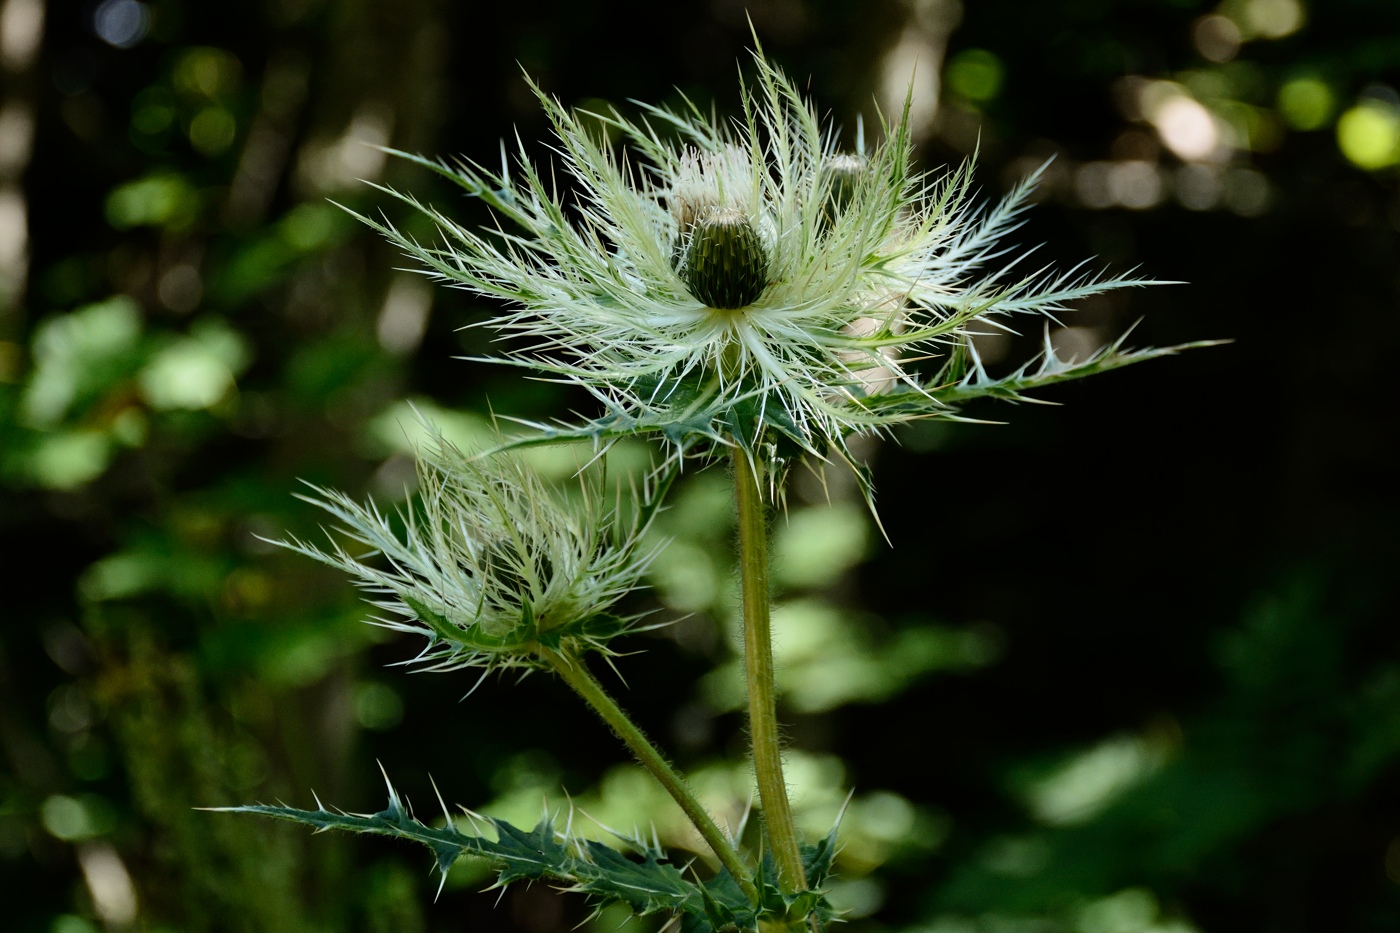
x=817, y=859
x=648, y=885
x=970, y=379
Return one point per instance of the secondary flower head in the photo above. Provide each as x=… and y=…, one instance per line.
x=492, y=564
x=746, y=281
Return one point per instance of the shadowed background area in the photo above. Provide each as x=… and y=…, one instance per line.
x=1127, y=664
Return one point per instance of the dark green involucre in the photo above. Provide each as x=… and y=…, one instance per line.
x=722, y=260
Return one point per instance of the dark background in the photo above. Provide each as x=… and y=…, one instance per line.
x=1185, y=569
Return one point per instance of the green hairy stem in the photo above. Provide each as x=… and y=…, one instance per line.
x=573, y=672
x=758, y=672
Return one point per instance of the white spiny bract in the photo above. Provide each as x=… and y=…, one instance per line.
x=491, y=564
x=865, y=267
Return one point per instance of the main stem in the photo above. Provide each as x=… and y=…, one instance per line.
x=573, y=672
x=758, y=669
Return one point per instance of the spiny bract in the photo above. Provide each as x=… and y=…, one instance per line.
x=745, y=280
x=492, y=564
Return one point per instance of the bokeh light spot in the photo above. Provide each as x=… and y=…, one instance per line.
x=1247, y=192
x=857, y=897
x=975, y=74
x=1091, y=185
x=181, y=288
x=184, y=376
x=911, y=69
x=817, y=545
x=377, y=706
x=1306, y=103
x=121, y=23
x=1198, y=187
x=68, y=818
x=1130, y=911
x=1135, y=184
x=1187, y=128
x=72, y=351
x=119, y=576
x=157, y=200
x=212, y=131
x=1216, y=37
x=1273, y=19
x=308, y=227
x=21, y=27
x=195, y=372
x=69, y=459
x=207, y=72
x=1369, y=134
x=109, y=883
x=152, y=118
x=1086, y=784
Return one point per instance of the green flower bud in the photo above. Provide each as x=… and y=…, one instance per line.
x=492, y=564
x=722, y=260
x=840, y=176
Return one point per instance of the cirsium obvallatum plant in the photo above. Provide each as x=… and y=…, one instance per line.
x=740, y=287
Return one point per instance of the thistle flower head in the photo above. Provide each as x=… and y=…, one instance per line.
x=740, y=281
x=491, y=563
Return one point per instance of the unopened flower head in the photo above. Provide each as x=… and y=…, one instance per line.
x=707, y=182
x=492, y=564
x=743, y=278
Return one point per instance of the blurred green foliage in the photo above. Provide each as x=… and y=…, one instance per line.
x=1130, y=666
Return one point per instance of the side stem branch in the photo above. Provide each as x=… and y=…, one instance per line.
x=573, y=672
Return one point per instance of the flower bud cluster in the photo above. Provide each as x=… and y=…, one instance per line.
x=492, y=564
